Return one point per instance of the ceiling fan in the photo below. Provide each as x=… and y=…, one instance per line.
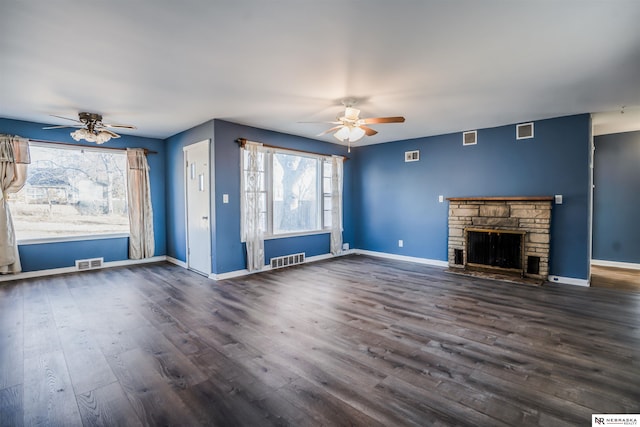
x=91, y=128
x=350, y=127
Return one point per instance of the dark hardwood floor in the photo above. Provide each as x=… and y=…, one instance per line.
x=349, y=341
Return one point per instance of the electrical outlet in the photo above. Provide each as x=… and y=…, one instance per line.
x=440, y=198
x=400, y=243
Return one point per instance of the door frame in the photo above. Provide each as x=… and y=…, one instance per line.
x=185, y=149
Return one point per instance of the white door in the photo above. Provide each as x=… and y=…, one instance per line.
x=198, y=217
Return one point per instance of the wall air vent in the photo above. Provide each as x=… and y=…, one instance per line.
x=412, y=156
x=89, y=264
x=470, y=137
x=287, y=260
x=524, y=131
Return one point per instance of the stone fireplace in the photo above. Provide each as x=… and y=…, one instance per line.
x=509, y=235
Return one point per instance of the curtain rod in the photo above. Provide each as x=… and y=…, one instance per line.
x=242, y=141
x=146, y=151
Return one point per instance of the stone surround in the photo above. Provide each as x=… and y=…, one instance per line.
x=531, y=215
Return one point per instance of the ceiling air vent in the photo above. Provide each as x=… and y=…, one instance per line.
x=412, y=156
x=524, y=131
x=470, y=137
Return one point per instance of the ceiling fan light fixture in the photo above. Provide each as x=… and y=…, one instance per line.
x=356, y=133
x=98, y=137
x=349, y=133
x=351, y=113
x=342, y=134
x=102, y=137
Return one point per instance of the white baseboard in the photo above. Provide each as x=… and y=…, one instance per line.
x=568, y=281
x=177, y=262
x=425, y=261
x=244, y=272
x=63, y=270
x=617, y=264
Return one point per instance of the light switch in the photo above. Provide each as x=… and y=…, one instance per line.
x=558, y=198
x=225, y=198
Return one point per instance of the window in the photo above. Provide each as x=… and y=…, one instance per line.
x=71, y=192
x=294, y=192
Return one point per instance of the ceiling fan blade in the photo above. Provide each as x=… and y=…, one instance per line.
x=375, y=120
x=63, y=126
x=368, y=131
x=330, y=130
x=331, y=123
x=111, y=125
x=66, y=118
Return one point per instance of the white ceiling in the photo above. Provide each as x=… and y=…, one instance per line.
x=168, y=65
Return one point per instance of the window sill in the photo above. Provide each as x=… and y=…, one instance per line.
x=79, y=238
x=288, y=235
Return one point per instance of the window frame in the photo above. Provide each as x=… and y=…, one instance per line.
x=321, y=161
x=74, y=237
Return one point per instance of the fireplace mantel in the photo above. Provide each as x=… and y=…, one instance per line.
x=502, y=199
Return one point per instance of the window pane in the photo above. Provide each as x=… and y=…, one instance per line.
x=71, y=192
x=327, y=203
x=327, y=219
x=295, y=199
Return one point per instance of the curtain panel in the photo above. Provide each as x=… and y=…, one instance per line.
x=14, y=157
x=252, y=233
x=141, y=239
x=336, y=204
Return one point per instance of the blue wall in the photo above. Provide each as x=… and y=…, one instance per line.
x=64, y=254
x=616, y=210
x=228, y=251
x=397, y=200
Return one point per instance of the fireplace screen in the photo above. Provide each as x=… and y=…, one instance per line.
x=495, y=248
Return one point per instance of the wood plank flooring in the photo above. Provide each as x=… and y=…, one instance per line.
x=349, y=341
x=624, y=279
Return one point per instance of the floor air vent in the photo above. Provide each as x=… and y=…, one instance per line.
x=287, y=260
x=89, y=264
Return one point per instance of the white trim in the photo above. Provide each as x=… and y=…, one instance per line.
x=424, y=261
x=568, y=281
x=79, y=238
x=617, y=264
x=177, y=262
x=54, y=271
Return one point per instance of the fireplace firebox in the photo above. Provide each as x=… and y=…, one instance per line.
x=490, y=248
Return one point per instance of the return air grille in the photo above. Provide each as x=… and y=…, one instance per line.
x=470, y=137
x=89, y=264
x=412, y=156
x=287, y=260
x=524, y=131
